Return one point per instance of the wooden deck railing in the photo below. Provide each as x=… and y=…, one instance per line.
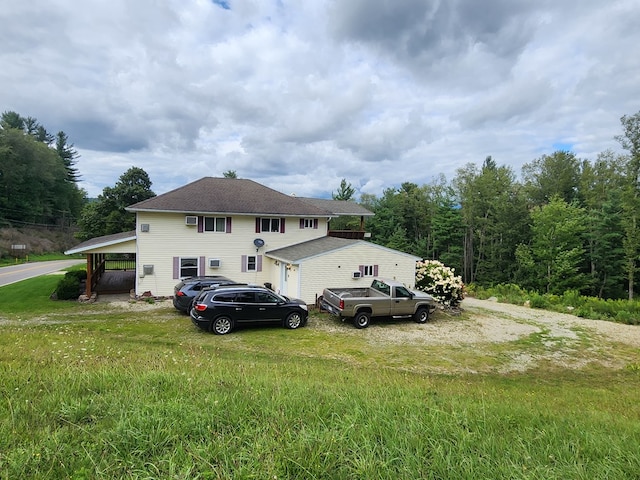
x=351, y=234
x=119, y=264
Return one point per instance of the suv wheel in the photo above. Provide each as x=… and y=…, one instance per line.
x=293, y=320
x=222, y=325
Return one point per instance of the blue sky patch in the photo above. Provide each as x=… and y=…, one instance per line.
x=222, y=3
x=562, y=147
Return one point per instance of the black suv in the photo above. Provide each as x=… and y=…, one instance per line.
x=185, y=291
x=219, y=310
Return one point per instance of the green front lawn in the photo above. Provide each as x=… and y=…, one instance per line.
x=98, y=391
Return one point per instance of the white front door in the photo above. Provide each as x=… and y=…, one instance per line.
x=284, y=279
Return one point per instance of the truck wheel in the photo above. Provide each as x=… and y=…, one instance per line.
x=361, y=320
x=421, y=315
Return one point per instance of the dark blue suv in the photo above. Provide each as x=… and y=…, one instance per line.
x=185, y=291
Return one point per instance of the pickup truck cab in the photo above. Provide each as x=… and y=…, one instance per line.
x=384, y=298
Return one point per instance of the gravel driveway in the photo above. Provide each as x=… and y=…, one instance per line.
x=498, y=319
x=501, y=337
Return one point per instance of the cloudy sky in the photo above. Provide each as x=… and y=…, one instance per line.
x=298, y=94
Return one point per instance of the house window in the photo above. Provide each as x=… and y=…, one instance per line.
x=188, y=267
x=269, y=224
x=251, y=263
x=215, y=224
x=368, y=270
x=309, y=223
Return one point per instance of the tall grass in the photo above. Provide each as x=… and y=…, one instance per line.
x=622, y=311
x=110, y=393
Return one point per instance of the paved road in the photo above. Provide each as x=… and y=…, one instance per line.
x=17, y=273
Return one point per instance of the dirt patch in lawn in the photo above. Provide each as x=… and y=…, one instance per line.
x=492, y=336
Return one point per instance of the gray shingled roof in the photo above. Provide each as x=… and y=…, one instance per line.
x=103, y=241
x=310, y=248
x=320, y=246
x=339, y=207
x=229, y=196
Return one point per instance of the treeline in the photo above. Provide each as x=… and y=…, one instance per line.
x=38, y=177
x=566, y=224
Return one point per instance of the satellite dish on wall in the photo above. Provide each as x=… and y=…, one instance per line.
x=258, y=242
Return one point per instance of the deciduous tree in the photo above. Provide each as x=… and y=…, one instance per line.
x=630, y=140
x=108, y=215
x=555, y=258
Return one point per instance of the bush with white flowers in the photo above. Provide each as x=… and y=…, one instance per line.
x=439, y=281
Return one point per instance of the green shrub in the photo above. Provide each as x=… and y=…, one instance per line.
x=604, y=308
x=69, y=286
x=539, y=301
x=510, y=293
x=79, y=274
x=628, y=318
x=572, y=298
x=473, y=289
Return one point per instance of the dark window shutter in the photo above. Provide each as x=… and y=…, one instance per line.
x=257, y=224
x=375, y=270
x=282, y=225
x=200, y=224
x=361, y=268
x=259, y=263
x=176, y=268
x=243, y=267
x=302, y=223
x=202, y=265
x=228, y=224
x=315, y=223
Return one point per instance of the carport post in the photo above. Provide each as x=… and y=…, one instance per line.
x=89, y=274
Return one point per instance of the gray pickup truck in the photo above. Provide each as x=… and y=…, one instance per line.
x=384, y=298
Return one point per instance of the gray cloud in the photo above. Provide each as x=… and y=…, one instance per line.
x=300, y=94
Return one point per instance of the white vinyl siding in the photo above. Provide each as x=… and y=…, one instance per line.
x=169, y=237
x=335, y=269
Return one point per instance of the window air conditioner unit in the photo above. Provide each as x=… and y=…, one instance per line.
x=144, y=227
x=214, y=263
x=356, y=274
x=191, y=220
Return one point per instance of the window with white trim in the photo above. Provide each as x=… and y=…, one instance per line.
x=252, y=263
x=307, y=223
x=215, y=224
x=368, y=270
x=270, y=225
x=188, y=267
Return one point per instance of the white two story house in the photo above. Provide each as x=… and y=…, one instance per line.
x=250, y=233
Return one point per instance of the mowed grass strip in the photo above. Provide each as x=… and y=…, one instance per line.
x=106, y=393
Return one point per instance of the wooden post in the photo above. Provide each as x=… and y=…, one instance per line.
x=89, y=274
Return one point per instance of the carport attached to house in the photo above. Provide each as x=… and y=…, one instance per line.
x=110, y=263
